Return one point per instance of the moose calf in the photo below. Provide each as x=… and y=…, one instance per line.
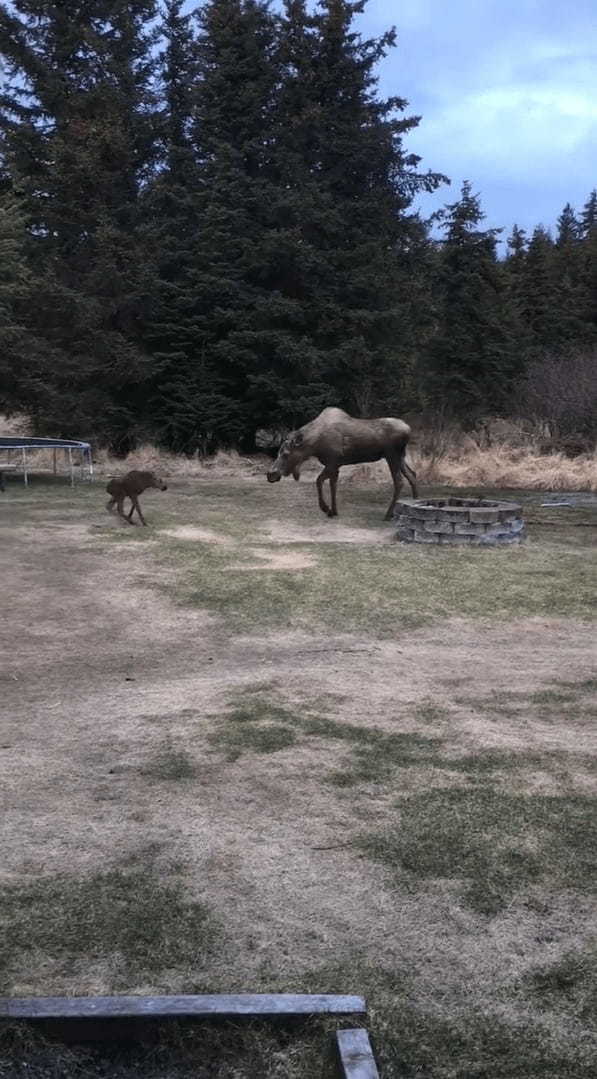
x=131, y=486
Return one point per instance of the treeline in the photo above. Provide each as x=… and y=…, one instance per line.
x=207, y=227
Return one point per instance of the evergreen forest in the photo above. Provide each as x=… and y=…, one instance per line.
x=209, y=226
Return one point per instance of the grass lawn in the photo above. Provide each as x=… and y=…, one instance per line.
x=248, y=748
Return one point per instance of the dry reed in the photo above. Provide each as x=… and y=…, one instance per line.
x=468, y=465
x=497, y=467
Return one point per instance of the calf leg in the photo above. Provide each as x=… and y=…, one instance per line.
x=136, y=507
x=120, y=509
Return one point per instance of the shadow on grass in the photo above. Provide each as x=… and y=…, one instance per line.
x=174, y=1051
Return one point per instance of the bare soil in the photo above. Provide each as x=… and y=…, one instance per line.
x=100, y=667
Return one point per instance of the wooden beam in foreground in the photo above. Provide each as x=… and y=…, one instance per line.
x=221, y=1006
x=355, y=1055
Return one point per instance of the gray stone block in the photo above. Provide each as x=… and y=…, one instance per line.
x=467, y=528
x=484, y=516
x=439, y=526
x=425, y=537
x=456, y=540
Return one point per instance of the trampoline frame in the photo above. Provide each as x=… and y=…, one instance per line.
x=14, y=443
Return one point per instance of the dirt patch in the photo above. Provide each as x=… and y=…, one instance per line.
x=202, y=535
x=332, y=531
x=276, y=560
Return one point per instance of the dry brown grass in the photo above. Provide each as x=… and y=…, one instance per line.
x=14, y=425
x=496, y=467
x=513, y=461
x=223, y=463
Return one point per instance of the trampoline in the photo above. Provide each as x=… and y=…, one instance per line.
x=14, y=450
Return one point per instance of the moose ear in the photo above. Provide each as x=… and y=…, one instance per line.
x=297, y=439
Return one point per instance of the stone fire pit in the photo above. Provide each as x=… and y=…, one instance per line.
x=476, y=522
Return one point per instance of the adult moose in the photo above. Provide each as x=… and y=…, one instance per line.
x=337, y=439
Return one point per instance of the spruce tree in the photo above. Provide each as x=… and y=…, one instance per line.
x=350, y=183
x=514, y=276
x=517, y=247
x=169, y=208
x=473, y=359
x=589, y=261
x=574, y=298
x=589, y=216
x=569, y=229
x=77, y=129
x=216, y=387
x=20, y=353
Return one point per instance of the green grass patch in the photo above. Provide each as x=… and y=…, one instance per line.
x=236, y=740
x=415, y=1036
x=254, y=723
x=254, y=707
x=569, y=984
x=169, y=764
x=130, y=917
x=586, y=685
x=496, y=843
x=562, y=701
x=379, y=591
x=553, y=697
x=375, y=752
x=430, y=712
x=469, y=1045
x=363, y=588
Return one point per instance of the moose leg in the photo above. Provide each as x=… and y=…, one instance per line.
x=325, y=475
x=410, y=475
x=137, y=507
x=110, y=505
x=333, y=485
x=394, y=467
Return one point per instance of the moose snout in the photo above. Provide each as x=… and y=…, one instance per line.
x=163, y=486
x=273, y=477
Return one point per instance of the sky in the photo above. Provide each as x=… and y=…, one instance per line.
x=507, y=94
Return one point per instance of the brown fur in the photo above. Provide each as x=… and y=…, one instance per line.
x=131, y=486
x=337, y=439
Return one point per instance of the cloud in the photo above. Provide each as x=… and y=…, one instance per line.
x=510, y=130
x=506, y=92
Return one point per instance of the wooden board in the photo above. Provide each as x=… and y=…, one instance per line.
x=355, y=1055
x=252, y=1005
